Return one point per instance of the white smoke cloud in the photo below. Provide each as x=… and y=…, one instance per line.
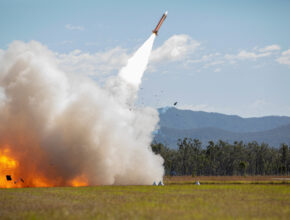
x=61, y=125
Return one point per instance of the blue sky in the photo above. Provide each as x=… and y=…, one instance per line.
x=231, y=57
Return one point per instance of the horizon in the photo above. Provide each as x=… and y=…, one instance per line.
x=183, y=109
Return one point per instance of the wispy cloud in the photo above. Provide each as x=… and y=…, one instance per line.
x=246, y=55
x=217, y=70
x=178, y=48
x=205, y=58
x=217, y=60
x=214, y=63
x=189, y=52
x=284, y=58
x=94, y=64
x=74, y=27
x=272, y=47
x=66, y=42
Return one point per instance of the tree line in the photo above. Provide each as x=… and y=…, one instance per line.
x=223, y=158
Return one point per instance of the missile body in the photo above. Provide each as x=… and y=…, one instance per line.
x=155, y=31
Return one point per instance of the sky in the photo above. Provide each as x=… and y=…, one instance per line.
x=231, y=57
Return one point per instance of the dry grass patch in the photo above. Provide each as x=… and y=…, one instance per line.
x=186, y=201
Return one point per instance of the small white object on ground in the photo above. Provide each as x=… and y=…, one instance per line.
x=160, y=183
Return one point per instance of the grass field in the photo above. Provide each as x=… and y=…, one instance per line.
x=178, y=199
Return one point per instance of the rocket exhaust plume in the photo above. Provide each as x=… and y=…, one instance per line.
x=133, y=71
x=59, y=129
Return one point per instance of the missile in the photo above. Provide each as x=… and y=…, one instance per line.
x=155, y=31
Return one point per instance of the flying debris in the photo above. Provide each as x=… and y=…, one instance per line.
x=20, y=179
x=155, y=31
x=8, y=178
x=175, y=103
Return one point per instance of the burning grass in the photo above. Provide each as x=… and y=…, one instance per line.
x=12, y=175
x=185, y=201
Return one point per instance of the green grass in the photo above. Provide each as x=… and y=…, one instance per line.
x=186, y=201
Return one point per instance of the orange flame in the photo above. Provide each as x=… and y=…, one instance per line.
x=79, y=181
x=28, y=175
x=7, y=167
x=5, y=161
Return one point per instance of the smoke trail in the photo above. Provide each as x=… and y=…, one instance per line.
x=63, y=129
x=125, y=86
x=137, y=64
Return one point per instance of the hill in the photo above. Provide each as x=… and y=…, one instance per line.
x=175, y=124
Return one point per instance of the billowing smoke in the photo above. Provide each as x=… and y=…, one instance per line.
x=60, y=129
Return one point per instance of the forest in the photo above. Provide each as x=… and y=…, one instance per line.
x=224, y=159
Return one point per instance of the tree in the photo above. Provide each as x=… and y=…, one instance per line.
x=242, y=168
x=284, y=158
x=223, y=158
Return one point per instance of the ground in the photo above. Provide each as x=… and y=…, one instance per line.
x=180, y=198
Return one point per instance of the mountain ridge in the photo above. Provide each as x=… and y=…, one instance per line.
x=188, y=119
x=175, y=124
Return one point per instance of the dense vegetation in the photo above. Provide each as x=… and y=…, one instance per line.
x=222, y=158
